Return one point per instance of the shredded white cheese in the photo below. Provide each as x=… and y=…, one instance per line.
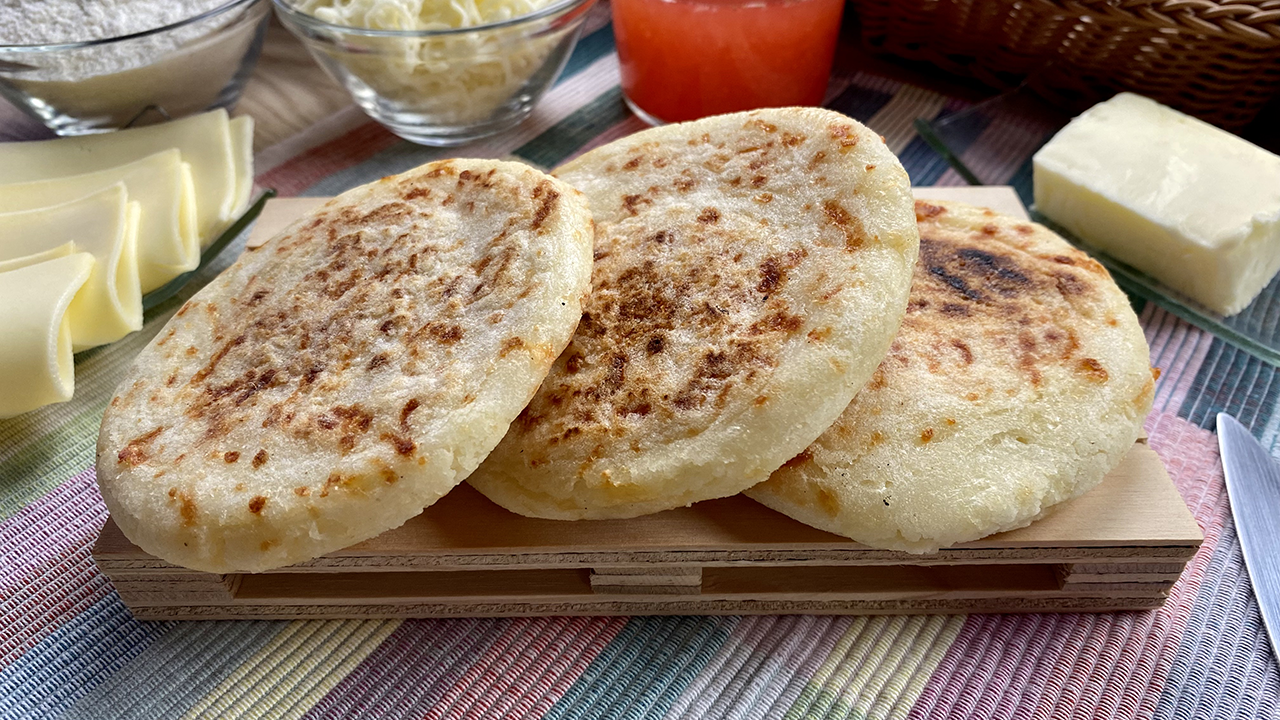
x=455, y=79
x=418, y=14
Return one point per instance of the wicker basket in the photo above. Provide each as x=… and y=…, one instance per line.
x=1217, y=60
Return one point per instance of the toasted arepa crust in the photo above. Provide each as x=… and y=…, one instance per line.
x=1019, y=379
x=334, y=382
x=751, y=270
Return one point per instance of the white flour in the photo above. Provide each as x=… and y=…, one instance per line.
x=37, y=22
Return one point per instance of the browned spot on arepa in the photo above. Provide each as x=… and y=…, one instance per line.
x=986, y=298
x=1018, y=378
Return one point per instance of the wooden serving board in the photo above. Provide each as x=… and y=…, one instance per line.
x=1121, y=546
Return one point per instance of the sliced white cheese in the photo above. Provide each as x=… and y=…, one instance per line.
x=35, y=357
x=22, y=261
x=161, y=184
x=1192, y=205
x=242, y=154
x=204, y=140
x=105, y=225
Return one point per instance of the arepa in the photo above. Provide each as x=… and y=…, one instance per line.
x=348, y=373
x=750, y=272
x=1019, y=379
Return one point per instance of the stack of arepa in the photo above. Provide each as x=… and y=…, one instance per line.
x=747, y=303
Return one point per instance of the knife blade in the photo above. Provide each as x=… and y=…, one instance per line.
x=1253, y=488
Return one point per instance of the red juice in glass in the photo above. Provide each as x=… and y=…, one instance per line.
x=686, y=59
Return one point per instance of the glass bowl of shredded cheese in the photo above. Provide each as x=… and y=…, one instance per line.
x=86, y=66
x=440, y=72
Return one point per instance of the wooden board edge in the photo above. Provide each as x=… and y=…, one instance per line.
x=663, y=607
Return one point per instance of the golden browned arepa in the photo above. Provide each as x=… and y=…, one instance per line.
x=336, y=381
x=750, y=272
x=1019, y=379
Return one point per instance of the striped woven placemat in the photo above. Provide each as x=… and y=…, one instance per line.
x=69, y=648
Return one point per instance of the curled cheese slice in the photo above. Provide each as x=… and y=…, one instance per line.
x=161, y=184
x=35, y=357
x=105, y=225
x=22, y=261
x=204, y=141
x=242, y=155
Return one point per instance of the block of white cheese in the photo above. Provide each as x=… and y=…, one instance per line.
x=208, y=143
x=161, y=184
x=1189, y=204
x=105, y=225
x=35, y=357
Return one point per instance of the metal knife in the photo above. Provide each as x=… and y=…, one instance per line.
x=1253, y=486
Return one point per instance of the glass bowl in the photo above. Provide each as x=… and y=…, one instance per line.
x=445, y=87
x=181, y=69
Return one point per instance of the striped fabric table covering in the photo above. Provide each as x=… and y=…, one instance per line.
x=69, y=648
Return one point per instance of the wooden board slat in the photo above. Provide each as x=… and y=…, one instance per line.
x=1118, y=547
x=651, y=605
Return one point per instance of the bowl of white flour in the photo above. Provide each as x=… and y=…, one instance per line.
x=85, y=66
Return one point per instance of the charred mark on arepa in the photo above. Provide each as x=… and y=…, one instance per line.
x=187, y=509
x=548, y=197
x=352, y=418
x=137, y=451
x=401, y=444
x=240, y=390
x=773, y=270
x=772, y=275
x=385, y=213
x=1093, y=370
x=443, y=333
x=997, y=272
x=716, y=368
x=1070, y=285
x=636, y=403
x=615, y=376
x=926, y=211
x=633, y=202
x=1023, y=301
x=777, y=321
x=203, y=373
x=973, y=273
x=845, y=135
x=844, y=221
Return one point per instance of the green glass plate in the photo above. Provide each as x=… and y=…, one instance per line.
x=1256, y=329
